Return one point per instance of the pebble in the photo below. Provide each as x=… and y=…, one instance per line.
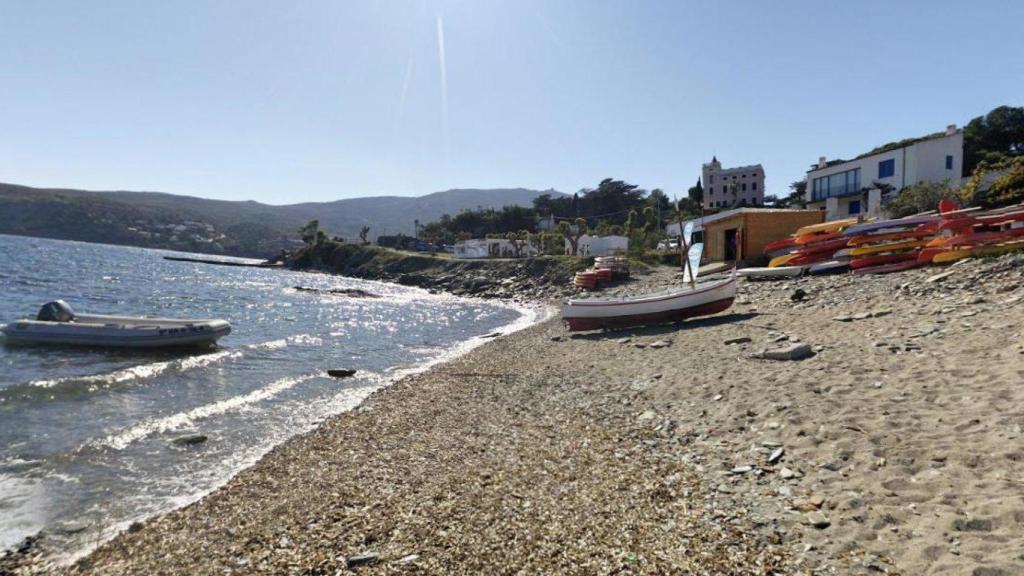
x=795, y=351
x=660, y=344
x=738, y=340
x=776, y=455
x=940, y=277
x=818, y=520
x=368, y=559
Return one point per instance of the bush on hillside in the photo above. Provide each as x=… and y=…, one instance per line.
x=918, y=198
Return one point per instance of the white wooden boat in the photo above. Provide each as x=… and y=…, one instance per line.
x=658, y=308
x=777, y=272
x=58, y=324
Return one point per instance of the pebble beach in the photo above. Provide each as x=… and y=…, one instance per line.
x=888, y=444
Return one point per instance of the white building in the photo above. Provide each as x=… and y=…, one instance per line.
x=598, y=245
x=849, y=188
x=492, y=248
x=471, y=249
x=728, y=187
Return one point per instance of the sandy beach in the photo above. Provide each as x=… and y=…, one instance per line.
x=893, y=449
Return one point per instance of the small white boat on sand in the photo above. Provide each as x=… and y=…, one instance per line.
x=57, y=323
x=658, y=308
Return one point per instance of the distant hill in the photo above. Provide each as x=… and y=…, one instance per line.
x=243, y=228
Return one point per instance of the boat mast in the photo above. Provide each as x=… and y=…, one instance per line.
x=684, y=249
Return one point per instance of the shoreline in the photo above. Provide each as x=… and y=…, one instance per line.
x=673, y=448
x=27, y=557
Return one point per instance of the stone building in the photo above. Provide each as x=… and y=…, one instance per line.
x=732, y=187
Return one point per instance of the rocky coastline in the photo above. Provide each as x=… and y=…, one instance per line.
x=541, y=279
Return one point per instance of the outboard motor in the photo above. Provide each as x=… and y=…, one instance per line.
x=56, y=311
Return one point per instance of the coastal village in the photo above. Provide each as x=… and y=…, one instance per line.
x=838, y=395
x=388, y=288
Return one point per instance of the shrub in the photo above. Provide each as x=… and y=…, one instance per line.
x=918, y=198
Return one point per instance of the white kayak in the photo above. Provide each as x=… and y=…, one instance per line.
x=57, y=324
x=777, y=272
x=829, y=266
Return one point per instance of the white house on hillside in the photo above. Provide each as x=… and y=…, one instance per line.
x=850, y=188
x=598, y=245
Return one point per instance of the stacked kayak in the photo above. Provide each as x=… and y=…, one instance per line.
x=811, y=247
x=882, y=246
x=980, y=234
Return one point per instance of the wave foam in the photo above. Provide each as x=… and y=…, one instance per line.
x=182, y=420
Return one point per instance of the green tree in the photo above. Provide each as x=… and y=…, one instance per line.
x=993, y=137
x=996, y=183
x=696, y=193
x=796, y=197
x=310, y=233
x=658, y=200
x=573, y=233
x=519, y=240
x=918, y=198
x=363, y=232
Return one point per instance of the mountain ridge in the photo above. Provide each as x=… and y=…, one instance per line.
x=237, y=227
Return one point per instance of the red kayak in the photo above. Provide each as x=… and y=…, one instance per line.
x=926, y=254
x=886, y=268
x=779, y=245
x=979, y=238
x=880, y=259
x=829, y=246
x=807, y=259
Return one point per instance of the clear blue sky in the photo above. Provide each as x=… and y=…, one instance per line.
x=301, y=101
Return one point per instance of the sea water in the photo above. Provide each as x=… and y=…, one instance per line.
x=87, y=435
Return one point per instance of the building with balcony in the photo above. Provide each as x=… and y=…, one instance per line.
x=845, y=188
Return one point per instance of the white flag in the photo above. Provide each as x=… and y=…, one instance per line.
x=694, y=257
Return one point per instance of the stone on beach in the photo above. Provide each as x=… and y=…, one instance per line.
x=358, y=560
x=795, y=351
x=341, y=373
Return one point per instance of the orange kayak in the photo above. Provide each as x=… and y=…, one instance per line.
x=817, y=237
x=890, y=247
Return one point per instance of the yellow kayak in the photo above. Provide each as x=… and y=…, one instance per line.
x=890, y=247
x=781, y=260
x=832, y=226
x=974, y=251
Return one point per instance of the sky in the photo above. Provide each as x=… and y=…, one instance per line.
x=286, y=102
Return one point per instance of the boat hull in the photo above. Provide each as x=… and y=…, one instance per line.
x=140, y=335
x=655, y=309
x=649, y=319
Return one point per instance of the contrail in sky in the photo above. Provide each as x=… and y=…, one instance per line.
x=405, y=90
x=444, y=85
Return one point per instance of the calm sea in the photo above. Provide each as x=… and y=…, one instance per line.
x=86, y=435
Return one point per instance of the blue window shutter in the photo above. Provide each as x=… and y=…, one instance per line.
x=949, y=162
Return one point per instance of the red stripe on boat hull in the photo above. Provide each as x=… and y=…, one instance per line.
x=580, y=324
